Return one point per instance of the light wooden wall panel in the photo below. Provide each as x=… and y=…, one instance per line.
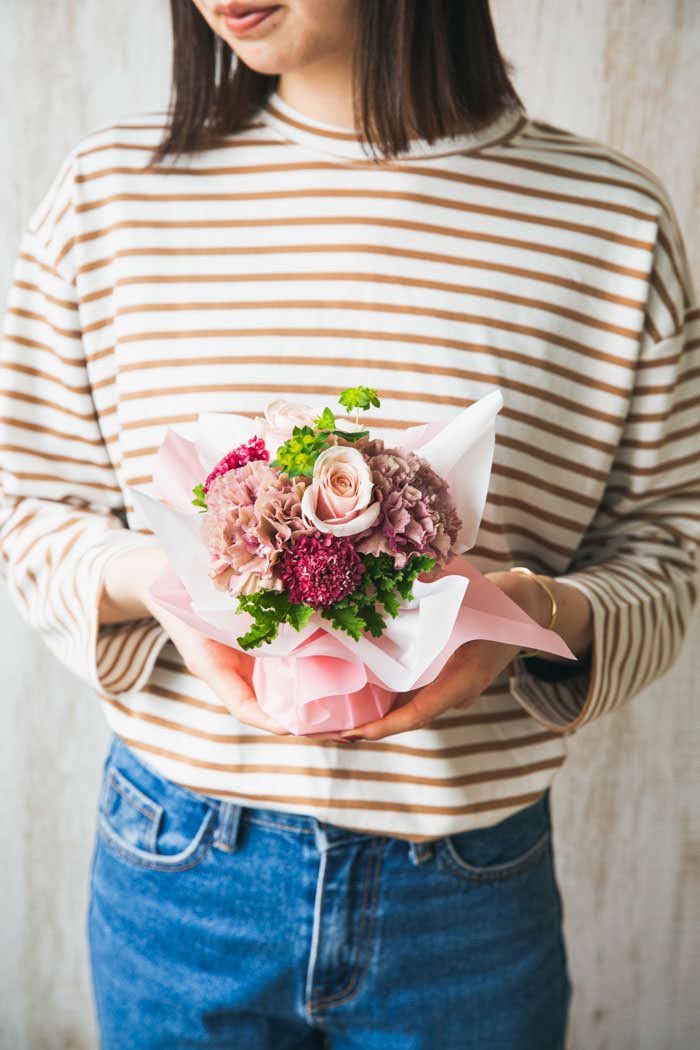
x=627, y=820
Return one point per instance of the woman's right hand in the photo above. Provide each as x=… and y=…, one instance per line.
x=228, y=672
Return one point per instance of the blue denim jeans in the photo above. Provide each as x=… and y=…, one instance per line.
x=214, y=925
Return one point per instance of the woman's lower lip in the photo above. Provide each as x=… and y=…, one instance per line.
x=243, y=24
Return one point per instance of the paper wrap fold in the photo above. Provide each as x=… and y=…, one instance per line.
x=319, y=680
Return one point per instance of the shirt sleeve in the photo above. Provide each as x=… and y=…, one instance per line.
x=62, y=516
x=637, y=562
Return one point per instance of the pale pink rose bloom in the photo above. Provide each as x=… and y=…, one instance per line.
x=339, y=497
x=280, y=419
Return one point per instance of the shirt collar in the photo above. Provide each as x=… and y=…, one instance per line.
x=338, y=141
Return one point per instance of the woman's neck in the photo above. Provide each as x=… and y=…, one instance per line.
x=322, y=91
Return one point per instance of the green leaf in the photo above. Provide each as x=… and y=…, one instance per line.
x=326, y=421
x=354, y=435
x=299, y=615
x=373, y=620
x=200, y=499
x=258, y=634
x=345, y=618
x=270, y=608
x=359, y=397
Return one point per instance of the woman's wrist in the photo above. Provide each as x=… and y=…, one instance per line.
x=125, y=584
x=574, y=620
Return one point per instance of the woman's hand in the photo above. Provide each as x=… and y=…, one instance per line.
x=465, y=676
x=226, y=671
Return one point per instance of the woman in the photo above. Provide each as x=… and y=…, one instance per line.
x=348, y=192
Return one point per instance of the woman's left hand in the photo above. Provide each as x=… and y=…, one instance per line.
x=465, y=676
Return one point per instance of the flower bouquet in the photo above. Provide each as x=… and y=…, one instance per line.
x=334, y=558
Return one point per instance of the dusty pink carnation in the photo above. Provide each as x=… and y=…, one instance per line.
x=252, y=451
x=418, y=514
x=253, y=514
x=320, y=570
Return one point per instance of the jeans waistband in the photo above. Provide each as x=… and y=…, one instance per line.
x=228, y=817
x=231, y=816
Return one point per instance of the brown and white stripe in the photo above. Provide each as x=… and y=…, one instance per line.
x=289, y=262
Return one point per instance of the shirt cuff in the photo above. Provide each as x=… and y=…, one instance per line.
x=120, y=656
x=563, y=697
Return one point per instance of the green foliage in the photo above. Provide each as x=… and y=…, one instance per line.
x=326, y=421
x=269, y=609
x=200, y=499
x=380, y=594
x=359, y=397
x=298, y=455
x=383, y=587
x=353, y=435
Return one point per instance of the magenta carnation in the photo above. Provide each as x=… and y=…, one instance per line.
x=252, y=451
x=320, y=570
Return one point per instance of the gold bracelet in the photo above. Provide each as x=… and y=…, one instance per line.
x=528, y=572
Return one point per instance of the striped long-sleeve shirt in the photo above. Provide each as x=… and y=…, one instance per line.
x=287, y=262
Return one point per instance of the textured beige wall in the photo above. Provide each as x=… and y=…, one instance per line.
x=626, y=812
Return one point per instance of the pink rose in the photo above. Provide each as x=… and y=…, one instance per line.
x=280, y=419
x=338, y=500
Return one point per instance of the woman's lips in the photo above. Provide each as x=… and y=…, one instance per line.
x=240, y=19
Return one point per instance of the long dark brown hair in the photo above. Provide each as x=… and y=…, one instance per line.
x=421, y=68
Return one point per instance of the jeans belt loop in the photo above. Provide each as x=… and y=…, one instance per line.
x=420, y=851
x=226, y=837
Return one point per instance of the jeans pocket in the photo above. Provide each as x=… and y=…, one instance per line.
x=148, y=821
x=501, y=850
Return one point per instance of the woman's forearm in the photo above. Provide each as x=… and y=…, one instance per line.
x=125, y=583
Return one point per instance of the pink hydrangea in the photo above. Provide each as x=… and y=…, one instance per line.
x=320, y=570
x=418, y=514
x=254, y=450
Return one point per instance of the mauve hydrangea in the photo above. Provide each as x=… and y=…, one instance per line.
x=418, y=514
x=320, y=570
x=253, y=514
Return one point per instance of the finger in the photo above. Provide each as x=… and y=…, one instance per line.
x=426, y=705
x=229, y=678
x=250, y=712
x=237, y=694
x=321, y=738
x=415, y=714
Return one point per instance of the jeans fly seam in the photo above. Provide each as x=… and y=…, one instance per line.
x=347, y=994
x=312, y=1003
x=315, y=933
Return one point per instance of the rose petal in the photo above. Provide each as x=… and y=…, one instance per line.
x=358, y=523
